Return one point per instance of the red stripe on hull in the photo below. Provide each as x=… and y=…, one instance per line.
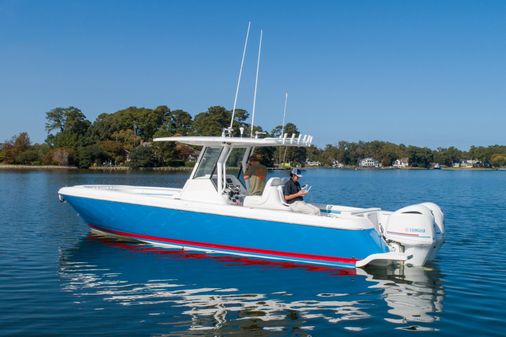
x=406, y=234
x=231, y=248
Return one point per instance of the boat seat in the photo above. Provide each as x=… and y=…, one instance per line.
x=271, y=198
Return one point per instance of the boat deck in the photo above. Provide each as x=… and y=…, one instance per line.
x=159, y=192
x=174, y=193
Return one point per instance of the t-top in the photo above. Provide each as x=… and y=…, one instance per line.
x=292, y=187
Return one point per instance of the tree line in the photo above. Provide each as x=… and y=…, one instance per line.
x=124, y=138
x=350, y=153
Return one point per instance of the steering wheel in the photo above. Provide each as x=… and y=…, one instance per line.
x=233, y=192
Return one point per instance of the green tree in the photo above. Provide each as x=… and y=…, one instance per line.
x=141, y=156
x=41, y=150
x=92, y=155
x=62, y=156
x=164, y=152
x=15, y=147
x=215, y=119
x=389, y=153
x=28, y=157
x=2, y=153
x=66, y=119
x=447, y=156
x=177, y=122
x=143, y=122
x=498, y=160
x=313, y=153
x=70, y=125
x=419, y=157
x=111, y=150
x=343, y=152
x=328, y=155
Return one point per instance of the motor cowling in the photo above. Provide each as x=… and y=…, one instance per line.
x=418, y=229
x=439, y=227
x=439, y=218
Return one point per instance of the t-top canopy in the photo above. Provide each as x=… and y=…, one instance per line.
x=299, y=141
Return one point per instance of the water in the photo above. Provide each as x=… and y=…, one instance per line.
x=57, y=279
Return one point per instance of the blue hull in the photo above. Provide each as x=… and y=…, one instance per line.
x=230, y=235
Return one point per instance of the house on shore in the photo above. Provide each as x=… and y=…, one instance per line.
x=369, y=162
x=401, y=163
x=310, y=163
x=468, y=163
x=472, y=163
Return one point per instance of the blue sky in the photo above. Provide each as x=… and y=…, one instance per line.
x=428, y=73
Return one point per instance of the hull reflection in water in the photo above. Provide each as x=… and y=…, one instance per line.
x=413, y=294
x=191, y=293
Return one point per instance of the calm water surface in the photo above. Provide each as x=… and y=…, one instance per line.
x=58, y=279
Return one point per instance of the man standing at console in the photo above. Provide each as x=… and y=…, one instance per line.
x=294, y=195
x=255, y=174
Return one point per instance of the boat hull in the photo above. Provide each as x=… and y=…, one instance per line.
x=229, y=234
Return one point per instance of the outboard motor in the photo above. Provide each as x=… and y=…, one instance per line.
x=417, y=230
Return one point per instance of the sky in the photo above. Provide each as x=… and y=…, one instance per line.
x=426, y=73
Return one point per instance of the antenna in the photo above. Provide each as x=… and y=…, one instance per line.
x=256, y=84
x=239, y=79
x=284, y=115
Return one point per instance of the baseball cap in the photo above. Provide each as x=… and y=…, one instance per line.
x=296, y=172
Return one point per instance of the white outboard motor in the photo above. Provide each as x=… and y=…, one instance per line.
x=417, y=230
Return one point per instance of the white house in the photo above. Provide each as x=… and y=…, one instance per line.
x=368, y=162
x=467, y=163
x=313, y=163
x=401, y=163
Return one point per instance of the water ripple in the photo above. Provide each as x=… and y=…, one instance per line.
x=56, y=279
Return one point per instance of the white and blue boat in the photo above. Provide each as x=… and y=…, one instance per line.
x=213, y=213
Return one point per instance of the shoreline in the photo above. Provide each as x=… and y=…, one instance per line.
x=126, y=168
x=358, y=168
x=36, y=167
x=187, y=169
x=96, y=168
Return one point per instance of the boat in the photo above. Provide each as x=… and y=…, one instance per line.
x=214, y=213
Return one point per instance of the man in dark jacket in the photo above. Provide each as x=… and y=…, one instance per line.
x=294, y=195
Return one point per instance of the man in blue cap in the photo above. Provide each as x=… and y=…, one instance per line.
x=294, y=195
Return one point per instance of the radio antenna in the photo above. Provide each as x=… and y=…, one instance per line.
x=239, y=79
x=284, y=116
x=256, y=85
